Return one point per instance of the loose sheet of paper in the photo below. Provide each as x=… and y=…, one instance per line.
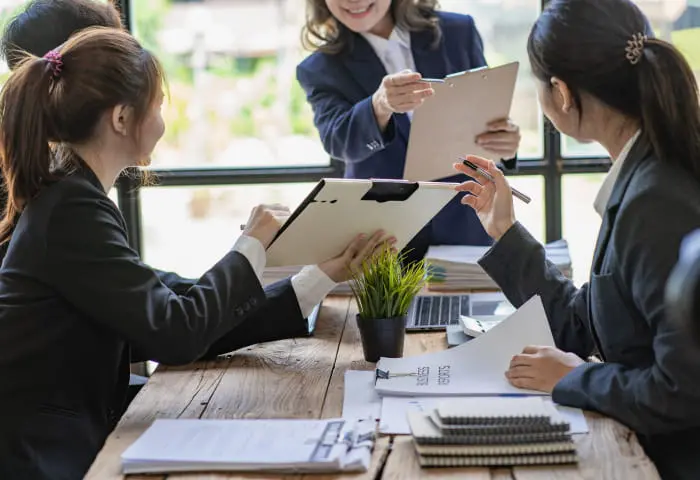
x=360, y=399
x=395, y=410
x=474, y=368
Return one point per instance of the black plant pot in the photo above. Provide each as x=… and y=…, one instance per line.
x=382, y=337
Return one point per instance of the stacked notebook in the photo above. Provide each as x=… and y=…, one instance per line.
x=492, y=432
x=275, y=274
x=295, y=446
x=455, y=267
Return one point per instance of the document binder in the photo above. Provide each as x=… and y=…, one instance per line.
x=283, y=446
x=445, y=127
x=337, y=210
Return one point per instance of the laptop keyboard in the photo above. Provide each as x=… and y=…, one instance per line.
x=436, y=312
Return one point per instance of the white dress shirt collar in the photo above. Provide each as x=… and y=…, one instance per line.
x=601, y=200
x=382, y=46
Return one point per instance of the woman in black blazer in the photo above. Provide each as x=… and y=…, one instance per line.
x=603, y=77
x=72, y=291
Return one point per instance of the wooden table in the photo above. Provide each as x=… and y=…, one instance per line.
x=303, y=378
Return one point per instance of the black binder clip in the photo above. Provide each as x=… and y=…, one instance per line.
x=381, y=375
x=386, y=375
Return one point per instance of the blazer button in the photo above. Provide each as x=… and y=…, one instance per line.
x=246, y=307
x=254, y=302
x=239, y=311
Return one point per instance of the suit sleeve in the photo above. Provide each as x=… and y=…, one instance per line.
x=175, y=282
x=349, y=132
x=664, y=396
x=278, y=318
x=92, y=266
x=518, y=264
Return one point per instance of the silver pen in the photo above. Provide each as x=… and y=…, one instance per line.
x=431, y=80
x=488, y=176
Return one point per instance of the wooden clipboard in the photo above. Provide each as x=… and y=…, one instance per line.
x=446, y=125
x=337, y=210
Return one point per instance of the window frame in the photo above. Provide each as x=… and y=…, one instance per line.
x=553, y=165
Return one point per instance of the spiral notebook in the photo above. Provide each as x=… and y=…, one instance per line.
x=497, y=411
x=492, y=432
x=498, y=461
x=426, y=432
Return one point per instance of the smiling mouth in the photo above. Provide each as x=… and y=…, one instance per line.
x=359, y=11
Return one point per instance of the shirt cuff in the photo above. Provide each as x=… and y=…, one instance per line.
x=311, y=285
x=254, y=252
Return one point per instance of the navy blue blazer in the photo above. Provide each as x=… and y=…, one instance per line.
x=339, y=88
x=649, y=377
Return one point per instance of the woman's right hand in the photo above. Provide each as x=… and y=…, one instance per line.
x=399, y=93
x=492, y=201
x=265, y=221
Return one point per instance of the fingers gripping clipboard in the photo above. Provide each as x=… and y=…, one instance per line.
x=445, y=127
x=337, y=210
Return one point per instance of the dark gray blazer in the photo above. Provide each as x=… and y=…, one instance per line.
x=650, y=378
x=77, y=305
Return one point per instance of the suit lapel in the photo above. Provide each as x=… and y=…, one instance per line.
x=639, y=151
x=364, y=65
x=430, y=62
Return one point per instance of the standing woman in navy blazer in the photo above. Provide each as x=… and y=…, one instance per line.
x=363, y=83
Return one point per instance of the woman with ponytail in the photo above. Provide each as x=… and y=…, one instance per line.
x=72, y=291
x=603, y=77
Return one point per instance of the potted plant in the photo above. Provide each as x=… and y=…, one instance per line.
x=384, y=288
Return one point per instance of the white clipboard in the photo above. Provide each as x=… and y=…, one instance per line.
x=446, y=125
x=337, y=210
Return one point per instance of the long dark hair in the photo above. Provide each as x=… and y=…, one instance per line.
x=45, y=24
x=583, y=43
x=44, y=109
x=324, y=33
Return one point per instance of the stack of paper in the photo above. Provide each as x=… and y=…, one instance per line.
x=298, y=446
x=455, y=267
x=476, y=367
x=275, y=274
x=492, y=432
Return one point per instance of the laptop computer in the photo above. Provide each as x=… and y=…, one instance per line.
x=436, y=312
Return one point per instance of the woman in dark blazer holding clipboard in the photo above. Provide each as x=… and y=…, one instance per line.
x=363, y=83
x=73, y=292
x=636, y=95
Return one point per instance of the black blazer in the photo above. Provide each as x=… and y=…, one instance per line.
x=650, y=376
x=77, y=305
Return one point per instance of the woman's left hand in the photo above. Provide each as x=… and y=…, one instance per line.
x=340, y=268
x=502, y=138
x=541, y=368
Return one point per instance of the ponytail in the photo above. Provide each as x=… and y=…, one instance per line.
x=25, y=132
x=669, y=105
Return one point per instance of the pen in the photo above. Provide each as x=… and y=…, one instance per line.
x=488, y=176
x=432, y=80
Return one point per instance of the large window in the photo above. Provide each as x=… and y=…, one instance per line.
x=236, y=116
x=235, y=104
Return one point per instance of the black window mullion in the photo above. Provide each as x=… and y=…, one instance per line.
x=129, y=199
x=552, y=183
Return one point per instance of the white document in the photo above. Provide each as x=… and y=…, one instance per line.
x=395, y=411
x=575, y=417
x=475, y=368
x=299, y=446
x=360, y=399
